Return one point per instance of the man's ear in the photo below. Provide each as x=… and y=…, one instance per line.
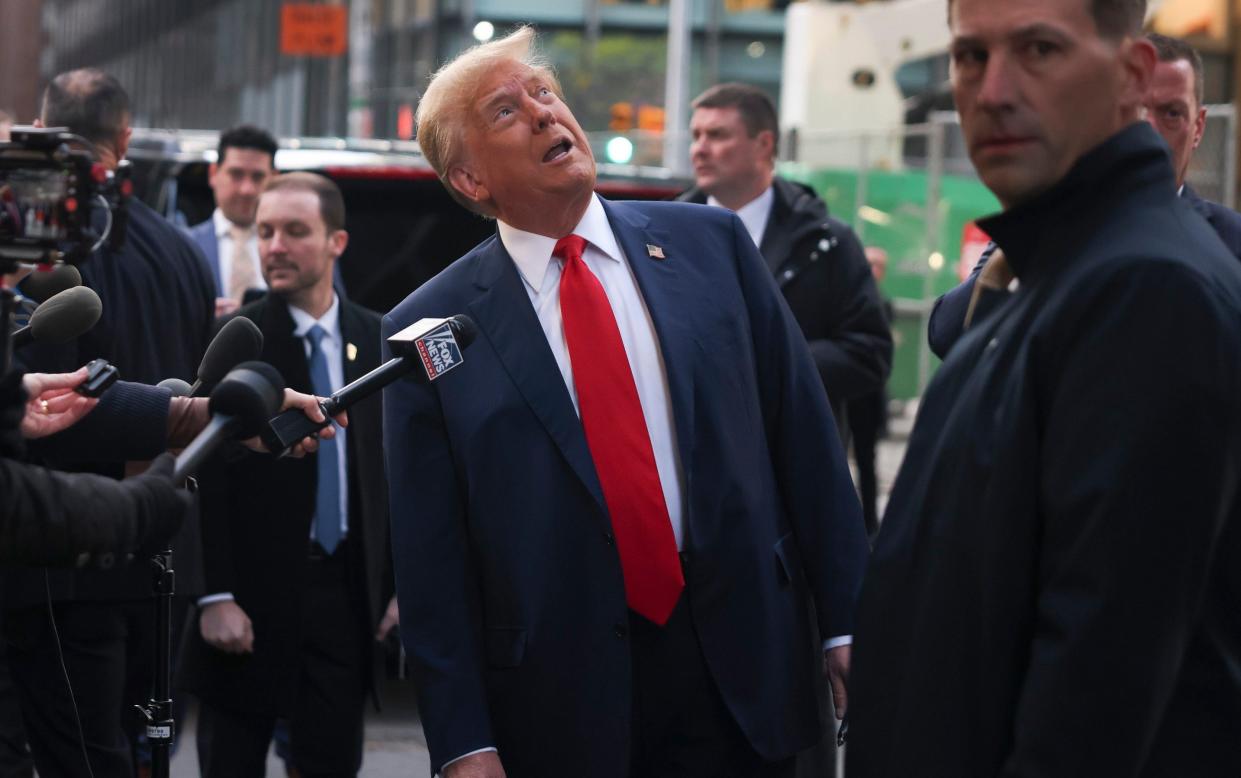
x=464, y=181
x=1138, y=58
x=767, y=142
x=1200, y=126
x=339, y=240
x=122, y=142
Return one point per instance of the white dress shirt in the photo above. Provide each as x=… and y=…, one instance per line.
x=333, y=346
x=753, y=214
x=533, y=256
x=224, y=252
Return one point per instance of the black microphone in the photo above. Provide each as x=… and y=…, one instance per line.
x=237, y=341
x=435, y=345
x=65, y=316
x=178, y=387
x=239, y=405
x=42, y=285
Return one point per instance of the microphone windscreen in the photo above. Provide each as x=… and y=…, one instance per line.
x=66, y=315
x=251, y=393
x=43, y=284
x=463, y=329
x=237, y=341
x=178, y=387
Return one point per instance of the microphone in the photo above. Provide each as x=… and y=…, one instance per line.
x=178, y=387
x=42, y=285
x=243, y=400
x=435, y=345
x=64, y=316
x=237, y=341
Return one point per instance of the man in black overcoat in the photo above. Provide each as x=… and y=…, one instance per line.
x=298, y=567
x=1055, y=588
x=818, y=261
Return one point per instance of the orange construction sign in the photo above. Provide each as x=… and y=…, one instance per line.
x=313, y=30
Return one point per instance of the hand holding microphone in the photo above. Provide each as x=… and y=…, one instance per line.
x=52, y=404
x=240, y=404
x=434, y=345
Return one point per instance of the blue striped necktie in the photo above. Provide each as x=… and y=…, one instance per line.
x=327, y=499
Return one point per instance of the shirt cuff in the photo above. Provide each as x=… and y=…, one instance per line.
x=463, y=756
x=210, y=598
x=836, y=642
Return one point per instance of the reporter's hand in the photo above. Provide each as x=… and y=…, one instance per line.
x=836, y=668
x=53, y=406
x=391, y=619
x=225, y=305
x=225, y=626
x=484, y=765
x=309, y=404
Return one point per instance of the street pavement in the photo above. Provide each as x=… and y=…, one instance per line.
x=395, y=746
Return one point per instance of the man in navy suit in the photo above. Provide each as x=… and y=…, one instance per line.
x=1175, y=109
x=609, y=521
x=244, y=162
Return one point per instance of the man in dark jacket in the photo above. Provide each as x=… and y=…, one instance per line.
x=818, y=262
x=296, y=551
x=1055, y=588
x=158, y=300
x=1174, y=108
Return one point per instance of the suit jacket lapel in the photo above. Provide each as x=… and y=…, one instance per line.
x=777, y=242
x=355, y=336
x=505, y=316
x=665, y=293
x=280, y=349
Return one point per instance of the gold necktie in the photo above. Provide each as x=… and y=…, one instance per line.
x=242, y=275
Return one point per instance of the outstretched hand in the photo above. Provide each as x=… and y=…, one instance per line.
x=53, y=405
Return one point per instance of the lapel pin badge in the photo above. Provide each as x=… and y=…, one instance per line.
x=655, y=252
x=351, y=352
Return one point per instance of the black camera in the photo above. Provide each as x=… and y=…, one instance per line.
x=57, y=203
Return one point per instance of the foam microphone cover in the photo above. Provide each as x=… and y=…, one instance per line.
x=237, y=341
x=251, y=393
x=43, y=284
x=66, y=315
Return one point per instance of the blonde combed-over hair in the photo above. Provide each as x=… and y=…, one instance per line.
x=444, y=111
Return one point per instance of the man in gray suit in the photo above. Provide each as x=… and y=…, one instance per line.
x=244, y=163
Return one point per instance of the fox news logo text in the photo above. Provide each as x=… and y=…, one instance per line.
x=439, y=351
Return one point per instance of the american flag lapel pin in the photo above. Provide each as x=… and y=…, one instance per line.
x=655, y=252
x=351, y=352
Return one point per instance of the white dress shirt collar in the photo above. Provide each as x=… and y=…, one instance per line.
x=754, y=214
x=329, y=321
x=532, y=253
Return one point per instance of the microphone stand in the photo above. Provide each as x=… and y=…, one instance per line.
x=160, y=726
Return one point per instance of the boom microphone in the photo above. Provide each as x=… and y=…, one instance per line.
x=239, y=405
x=435, y=345
x=42, y=285
x=237, y=341
x=64, y=316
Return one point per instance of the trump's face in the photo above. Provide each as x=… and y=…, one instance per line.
x=524, y=151
x=1037, y=86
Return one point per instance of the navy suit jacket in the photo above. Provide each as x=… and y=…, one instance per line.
x=203, y=235
x=512, y=600
x=1225, y=221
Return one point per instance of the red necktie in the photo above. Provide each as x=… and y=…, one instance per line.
x=615, y=429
